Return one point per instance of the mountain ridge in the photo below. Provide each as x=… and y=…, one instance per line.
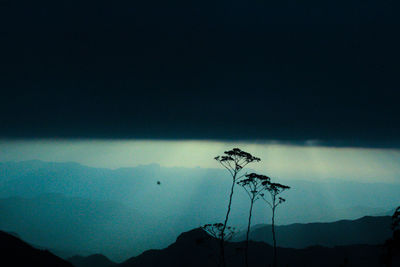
x=371, y=230
x=196, y=248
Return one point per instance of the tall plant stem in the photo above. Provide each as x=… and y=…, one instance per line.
x=248, y=233
x=273, y=235
x=222, y=244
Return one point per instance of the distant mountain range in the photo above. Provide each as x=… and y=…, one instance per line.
x=123, y=206
x=366, y=230
x=326, y=201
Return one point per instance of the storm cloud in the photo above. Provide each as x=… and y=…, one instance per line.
x=230, y=70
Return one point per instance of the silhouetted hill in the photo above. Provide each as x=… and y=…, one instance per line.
x=95, y=260
x=193, y=248
x=366, y=230
x=15, y=252
x=196, y=248
x=73, y=226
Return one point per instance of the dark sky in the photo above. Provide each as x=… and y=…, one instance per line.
x=227, y=70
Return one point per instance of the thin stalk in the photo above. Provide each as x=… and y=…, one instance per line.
x=273, y=232
x=222, y=244
x=248, y=232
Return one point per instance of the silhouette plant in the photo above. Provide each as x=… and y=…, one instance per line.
x=274, y=190
x=234, y=161
x=215, y=230
x=254, y=185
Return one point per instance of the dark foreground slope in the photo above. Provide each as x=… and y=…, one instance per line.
x=15, y=252
x=196, y=248
x=366, y=230
x=95, y=260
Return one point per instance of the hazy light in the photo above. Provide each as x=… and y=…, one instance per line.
x=284, y=161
